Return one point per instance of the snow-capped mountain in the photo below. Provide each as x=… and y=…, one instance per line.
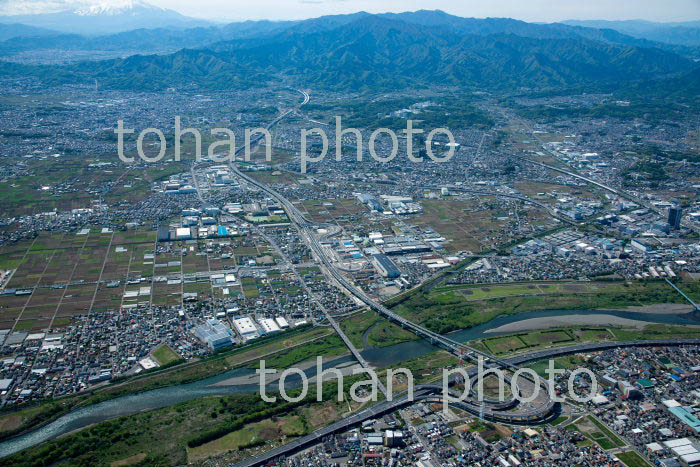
x=94, y=17
x=116, y=7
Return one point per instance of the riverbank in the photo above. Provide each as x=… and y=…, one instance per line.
x=281, y=354
x=534, y=324
x=450, y=308
x=34, y=417
x=346, y=368
x=657, y=309
x=598, y=320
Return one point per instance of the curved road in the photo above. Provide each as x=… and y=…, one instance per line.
x=428, y=392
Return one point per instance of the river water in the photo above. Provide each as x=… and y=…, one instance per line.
x=379, y=357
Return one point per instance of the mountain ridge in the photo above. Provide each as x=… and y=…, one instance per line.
x=371, y=52
x=685, y=33
x=157, y=40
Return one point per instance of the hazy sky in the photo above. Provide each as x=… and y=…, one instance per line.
x=527, y=10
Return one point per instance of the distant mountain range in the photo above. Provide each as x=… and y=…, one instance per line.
x=143, y=28
x=685, y=33
x=106, y=17
x=19, y=38
x=376, y=52
x=16, y=30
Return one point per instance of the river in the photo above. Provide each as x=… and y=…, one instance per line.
x=378, y=357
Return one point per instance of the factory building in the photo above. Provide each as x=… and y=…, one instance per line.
x=385, y=266
x=246, y=328
x=183, y=233
x=281, y=322
x=269, y=325
x=214, y=333
x=163, y=234
x=370, y=201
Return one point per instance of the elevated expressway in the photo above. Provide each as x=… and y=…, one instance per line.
x=302, y=223
x=488, y=409
x=306, y=228
x=307, y=231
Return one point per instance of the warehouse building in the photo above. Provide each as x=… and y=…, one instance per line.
x=385, y=266
x=214, y=333
x=269, y=325
x=183, y=233
x=281, y=322
x=163, y=234
x=245, y=327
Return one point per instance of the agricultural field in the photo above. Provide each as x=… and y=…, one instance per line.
x=221, y=257
x=632, y=459
x=552, y=191
x=487, y=292
x=96, y=270
x=546, y=337
x=71, y=182
x=250, y=287
x=534, y=340
x=425, y=368
x=265, y=434
x=343, y=211
x=593, y=335
x=257, y=156
x=276, y=176
x=506, y=344
x=59, y=273
x=261, y=432
x=568, y=362
x=650, y=331
x=477, y=225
